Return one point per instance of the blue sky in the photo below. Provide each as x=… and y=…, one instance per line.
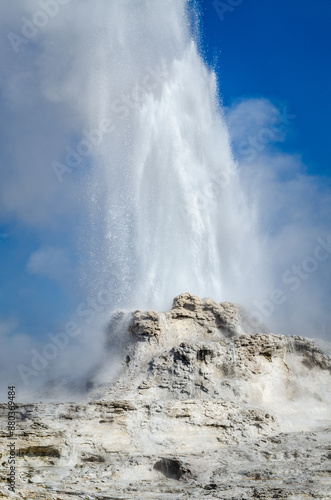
x=280, y=50
x=271, y=59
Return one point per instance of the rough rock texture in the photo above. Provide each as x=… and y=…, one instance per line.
x=203, y=406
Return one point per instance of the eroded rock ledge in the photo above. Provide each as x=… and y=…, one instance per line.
x=226, y=317
x=204, y=405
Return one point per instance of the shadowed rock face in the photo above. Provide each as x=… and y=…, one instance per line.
x=38, y=451
x=170, y=468
x=145, y=325
x=208, y=313
x=204, y=406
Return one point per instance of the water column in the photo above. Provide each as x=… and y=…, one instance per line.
x=167, y=211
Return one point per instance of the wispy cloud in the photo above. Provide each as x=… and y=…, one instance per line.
x=50, y=262
x=293, y=210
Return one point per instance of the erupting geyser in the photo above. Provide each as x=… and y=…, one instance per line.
x=168, y=212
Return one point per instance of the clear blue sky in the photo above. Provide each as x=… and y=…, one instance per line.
x=279, y=49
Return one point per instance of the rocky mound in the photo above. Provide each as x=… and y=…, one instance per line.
x=203, y=406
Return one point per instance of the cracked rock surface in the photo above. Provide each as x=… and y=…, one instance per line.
x=204, y=406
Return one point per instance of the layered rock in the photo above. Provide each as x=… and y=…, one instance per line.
x=203, y=406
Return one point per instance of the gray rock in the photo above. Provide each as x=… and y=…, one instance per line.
x=145, y=324
x=203, y=406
